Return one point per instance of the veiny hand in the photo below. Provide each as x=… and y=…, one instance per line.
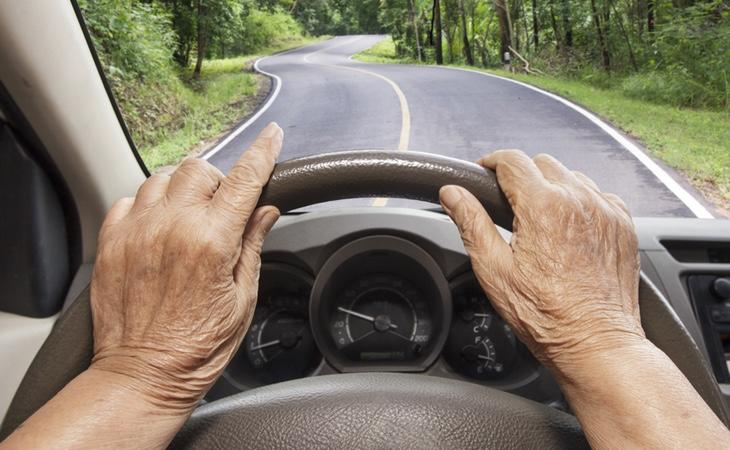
x=176, y=274
x=567, y=282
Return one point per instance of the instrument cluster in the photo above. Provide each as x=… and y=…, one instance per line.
x=378, y=303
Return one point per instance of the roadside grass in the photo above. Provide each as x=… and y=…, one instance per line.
x=695, y=142
x=199, y=110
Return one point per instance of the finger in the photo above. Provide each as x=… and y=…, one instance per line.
x=152, y=191
x=195, y=180
x=482, y=240
x=119, y=211
x=249, y=262
x=516, y=173
x=240, y=190
x=553, y=170
x=583, y=178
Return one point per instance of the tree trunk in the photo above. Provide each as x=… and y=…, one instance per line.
x=601, y=38
x=567, y=26
x=505, y=27
x=556, y=29
x=202, y=37
x=449, y=32
x=650, y=15
x=414, y=23
x=535, y=27
x=620, y=21
x=437, y=43
x=464, y=35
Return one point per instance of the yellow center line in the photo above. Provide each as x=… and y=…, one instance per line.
x=405, y=129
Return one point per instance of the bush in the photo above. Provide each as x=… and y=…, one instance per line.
x=135, y=42
x=660, y=87
x=262, y=29
x=135, y=39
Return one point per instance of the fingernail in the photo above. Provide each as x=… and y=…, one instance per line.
x=271, y=130
x=450, y=196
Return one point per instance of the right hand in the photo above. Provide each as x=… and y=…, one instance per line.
x=567, y=282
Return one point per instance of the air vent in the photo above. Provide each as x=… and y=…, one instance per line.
x=699, y=251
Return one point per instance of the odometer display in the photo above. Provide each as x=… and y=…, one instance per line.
x=381, y=317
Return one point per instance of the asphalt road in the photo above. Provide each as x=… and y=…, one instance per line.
x=327, y=102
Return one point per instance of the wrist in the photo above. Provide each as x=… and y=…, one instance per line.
x=150, y=383
x=598, y=358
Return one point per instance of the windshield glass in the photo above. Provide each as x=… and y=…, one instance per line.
x=634, y=94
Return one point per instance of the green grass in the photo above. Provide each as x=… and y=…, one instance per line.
x=695, y=142
x=193, y=111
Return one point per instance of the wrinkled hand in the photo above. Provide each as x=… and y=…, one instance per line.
x=176, y=274
x=568, y=281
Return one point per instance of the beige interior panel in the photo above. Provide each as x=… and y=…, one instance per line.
x=20, y=339
x=46, y=65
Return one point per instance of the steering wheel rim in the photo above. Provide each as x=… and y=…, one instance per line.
x=296, y=183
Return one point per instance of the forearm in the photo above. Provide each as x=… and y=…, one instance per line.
x=635, y=397
x=98, y=410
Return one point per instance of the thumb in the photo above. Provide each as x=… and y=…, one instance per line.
x=485, y=245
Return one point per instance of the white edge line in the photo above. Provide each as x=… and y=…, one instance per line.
x=260, y=111
x=692, y=203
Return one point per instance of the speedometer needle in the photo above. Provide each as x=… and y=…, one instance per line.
x=264, y=345
x=362, y=316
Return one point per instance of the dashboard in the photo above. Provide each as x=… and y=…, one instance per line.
x=392, y=290
x=336, y=296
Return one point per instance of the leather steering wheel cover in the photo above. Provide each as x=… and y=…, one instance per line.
x=379, y=173
x=68, y=349
x=378, y=410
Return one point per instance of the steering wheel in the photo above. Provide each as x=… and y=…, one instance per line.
x=367, y=409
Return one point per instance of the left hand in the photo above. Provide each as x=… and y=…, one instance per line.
x=176, y=275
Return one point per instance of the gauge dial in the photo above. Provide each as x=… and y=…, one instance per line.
x=380, y=303
x=480, y=344
x=381, y=317
x=279, y=344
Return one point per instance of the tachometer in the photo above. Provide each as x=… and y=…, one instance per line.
x=279, y=344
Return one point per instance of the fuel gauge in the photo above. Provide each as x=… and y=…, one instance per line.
x=480, y=344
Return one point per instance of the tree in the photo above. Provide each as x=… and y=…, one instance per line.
x=437, y=31
x=464, y=35
x=535, y=28
x=567, y=26
x=601, y=37
x=505, y=26
x=413, y=13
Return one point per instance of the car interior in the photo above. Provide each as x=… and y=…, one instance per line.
x=352, y=300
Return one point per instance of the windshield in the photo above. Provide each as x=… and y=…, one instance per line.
x=634, y=94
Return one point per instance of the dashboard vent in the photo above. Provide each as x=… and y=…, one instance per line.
x=699, y=251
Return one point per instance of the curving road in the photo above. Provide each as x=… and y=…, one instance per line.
x=326, y=102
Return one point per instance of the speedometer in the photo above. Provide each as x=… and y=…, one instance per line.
x=380, y=303
x=381, y=317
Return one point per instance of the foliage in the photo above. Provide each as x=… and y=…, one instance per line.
x=134, y=38
x=674, y=52
x=146, y=50
x=264, y=28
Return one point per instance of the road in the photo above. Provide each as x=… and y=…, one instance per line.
x=327, y=102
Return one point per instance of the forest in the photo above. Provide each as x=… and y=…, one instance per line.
x=671, y=51
x=180, y=69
